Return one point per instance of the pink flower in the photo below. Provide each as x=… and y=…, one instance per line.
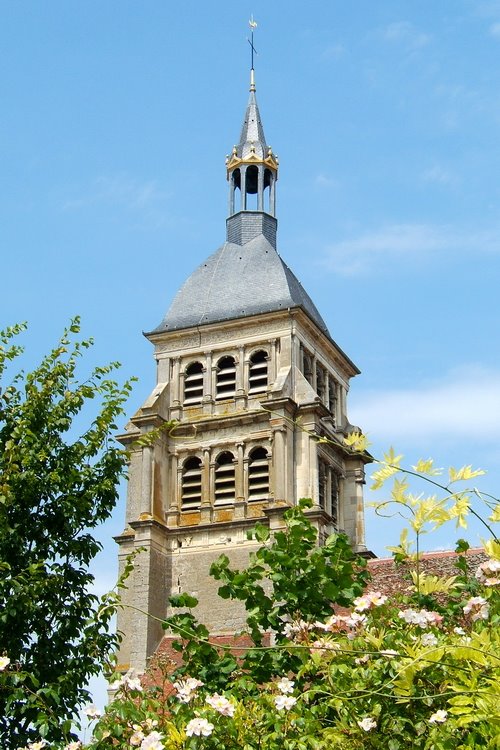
x=221, y=704
x=187, y=688
x=369, y=600
x=478, y=607
x=489, y=573
x=422, y=617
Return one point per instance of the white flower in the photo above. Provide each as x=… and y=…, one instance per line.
x=221, y=704
x=4, y=662
x=369, y=600
x=355, y=620
x=362, y=659
x=361, y=603
x=285, y=685
x=459, y=631
x=92, y=712
x=423, y=618
x=376, y=598
x=199, y=727
x=479, y=608
x=389, y=653
x=439, y=717
x=489, y=573
x=73, y=746
x=37, y=745
x=152, y=742
x=137, y=737
x=284, y=702
x=186, y=688
x=429, y=639
x=296, y=628
x=367, y=723
x=130, y=680
x=323, y=644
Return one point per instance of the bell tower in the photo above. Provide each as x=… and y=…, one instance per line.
x=247, y=368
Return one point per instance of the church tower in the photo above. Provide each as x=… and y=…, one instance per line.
x=249, y=371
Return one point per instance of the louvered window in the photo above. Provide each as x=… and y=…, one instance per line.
x=322, y=483
x=224, y=479
x=332, y=395
x=321, y=383
x=191, y=483
x=257, y=377
x=308, y=367
x=258, y=474
x=226, y=377
x=193, y=383
x=334, y=498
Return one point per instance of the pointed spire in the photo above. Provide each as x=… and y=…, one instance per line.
x=252, y=172
x=252, y=138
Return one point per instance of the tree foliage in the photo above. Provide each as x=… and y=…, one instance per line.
x=58, y=481
x=420, y=669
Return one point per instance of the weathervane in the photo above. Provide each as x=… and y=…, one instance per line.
x=253, y=26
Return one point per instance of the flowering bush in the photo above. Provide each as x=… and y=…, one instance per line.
x=417, y=670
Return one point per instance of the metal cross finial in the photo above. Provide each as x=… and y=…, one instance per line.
x=253, y=26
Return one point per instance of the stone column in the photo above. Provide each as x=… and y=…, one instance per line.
x=176, y=396
x=279, y=463
x=239, y=482
x=146, y=481
x=244, y=188
x=260, y=189
x=172, y=509
x=206, y=503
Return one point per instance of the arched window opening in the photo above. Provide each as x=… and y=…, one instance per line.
x=258, y=474
x=334, y=498
x=191, y=483
x=308, y=367
x=322, y=483
x=224, y=479
x=267, y=191
x=332, y=395
x=320, y=383
x=237, y=178
x=234, y=200
x=252, y=188
x=257, y=376
x=226, y=377
x=193, y=383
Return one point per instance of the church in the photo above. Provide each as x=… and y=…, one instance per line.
x=249, y=372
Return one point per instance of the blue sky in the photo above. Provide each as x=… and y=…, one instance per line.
x=116, y=121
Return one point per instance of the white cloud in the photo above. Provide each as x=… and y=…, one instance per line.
x=324, y=181
x=333, y=52
x=464, y=404
x=439, y=175
x=405, y=243
x=142, y=197
x=405, y=33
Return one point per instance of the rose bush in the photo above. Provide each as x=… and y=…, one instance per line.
x=343, y=665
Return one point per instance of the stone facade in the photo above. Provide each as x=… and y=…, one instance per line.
x=252, y=391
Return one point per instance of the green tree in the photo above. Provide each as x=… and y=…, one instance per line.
x=58, y=482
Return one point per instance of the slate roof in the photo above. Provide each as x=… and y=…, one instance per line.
x=252, y=132
x=235, y=282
